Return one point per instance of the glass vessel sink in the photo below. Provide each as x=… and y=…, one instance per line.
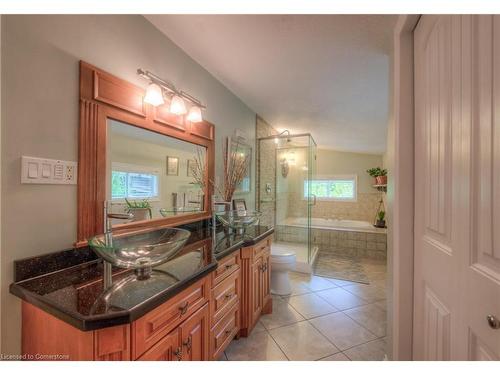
x=239, y=220
x=140, y=251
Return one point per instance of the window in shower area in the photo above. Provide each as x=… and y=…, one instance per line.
x=336, y=188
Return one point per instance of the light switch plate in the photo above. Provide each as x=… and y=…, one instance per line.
x=48, y=171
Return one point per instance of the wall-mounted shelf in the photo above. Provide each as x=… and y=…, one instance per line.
x=382, y=188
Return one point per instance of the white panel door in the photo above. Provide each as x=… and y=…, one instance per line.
x=457, y=191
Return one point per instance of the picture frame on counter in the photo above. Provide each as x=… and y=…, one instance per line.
x=239, y=204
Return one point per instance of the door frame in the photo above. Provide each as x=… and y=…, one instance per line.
x=400, y=192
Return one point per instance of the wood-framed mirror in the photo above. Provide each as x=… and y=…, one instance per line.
x=139, y=158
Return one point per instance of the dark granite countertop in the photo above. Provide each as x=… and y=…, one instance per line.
x=68, y=284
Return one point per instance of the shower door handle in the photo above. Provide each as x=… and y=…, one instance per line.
x=314, y=199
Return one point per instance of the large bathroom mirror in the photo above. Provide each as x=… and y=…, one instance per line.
x=151, y=175
x=241, y=148
x=137, y=158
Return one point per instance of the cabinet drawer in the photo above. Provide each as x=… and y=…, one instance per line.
x=227, y=266
x=262, y=246
x=153, y=326
x=224, y=296
x=224, y=331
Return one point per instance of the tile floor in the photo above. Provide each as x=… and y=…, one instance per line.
x=360, y=269
x=323, y=319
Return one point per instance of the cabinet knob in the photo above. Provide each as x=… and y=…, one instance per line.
x=229, y=295
x=178, y=353
x=183, y=309
x=493, y=321
x=228, y=266
x=188, y=344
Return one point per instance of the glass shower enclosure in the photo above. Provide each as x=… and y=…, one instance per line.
x=286, y=168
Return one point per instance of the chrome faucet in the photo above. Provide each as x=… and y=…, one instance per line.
x=108, y=238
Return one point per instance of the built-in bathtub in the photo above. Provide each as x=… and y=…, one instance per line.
x=344, y=237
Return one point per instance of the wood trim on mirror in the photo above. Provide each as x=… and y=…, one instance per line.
x=102, y=97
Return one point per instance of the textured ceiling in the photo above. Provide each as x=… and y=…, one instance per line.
x=323, y=74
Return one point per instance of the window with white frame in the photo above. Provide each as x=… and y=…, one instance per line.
x=335, y=188
x=134, y=182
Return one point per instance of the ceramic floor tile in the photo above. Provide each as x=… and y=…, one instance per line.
x=222, y=357
x=302, y=342
x=381, y=304
x=336, y=357
x=369, y=293
x=313, y=282
x=259, y=346
x=258, y=327
x=371, y=317
x=283, y=314
x=342, y=331
x=310, y=305
x=371, y=351
x=340, y=282
x=298, y=287
x=340, y=298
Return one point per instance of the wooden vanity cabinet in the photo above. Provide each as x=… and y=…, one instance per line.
x=196, y=324
x=225, y=304
x=256, y=284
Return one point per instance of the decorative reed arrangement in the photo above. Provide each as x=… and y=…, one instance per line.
x=235, y=168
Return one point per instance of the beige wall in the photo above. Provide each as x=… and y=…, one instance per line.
x=39, y=72
x=331, y=163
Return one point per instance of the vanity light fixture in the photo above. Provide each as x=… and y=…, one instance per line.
x=159, y=88
x=154, y=95
x=177, y=105
x=194, y=114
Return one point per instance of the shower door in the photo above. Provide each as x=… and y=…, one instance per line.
x=286, y=167
x=312, y=199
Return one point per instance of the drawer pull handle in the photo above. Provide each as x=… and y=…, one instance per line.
x=228, y=266
x=493, y=322
x=178, y=353
x=183, y=309
x=188, y=344
x=228, y=296
x=228, y=331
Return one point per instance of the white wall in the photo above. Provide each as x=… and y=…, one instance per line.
x=40, y=74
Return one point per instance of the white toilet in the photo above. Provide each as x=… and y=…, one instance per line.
x=282, y=261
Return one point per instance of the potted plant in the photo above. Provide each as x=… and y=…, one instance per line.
x=379, y=174
x=140, y=209
x=380, y=219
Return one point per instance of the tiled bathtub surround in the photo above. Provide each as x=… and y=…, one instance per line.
x=338, y=242
x=364, y=209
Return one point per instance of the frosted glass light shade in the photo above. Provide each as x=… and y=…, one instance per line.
x=177, y=105
x=154, y=95
x=194, y=114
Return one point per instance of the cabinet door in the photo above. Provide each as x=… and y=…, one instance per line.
x=256, y=290
x=266, y=282
x=195, y=336
x=167, y=349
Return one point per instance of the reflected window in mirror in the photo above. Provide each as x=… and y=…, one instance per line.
x=140, y=173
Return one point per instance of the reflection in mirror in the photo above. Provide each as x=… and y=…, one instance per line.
x=152, y=175
x=242, y=149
